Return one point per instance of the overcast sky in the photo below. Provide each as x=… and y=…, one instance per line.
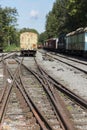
x=32, y=13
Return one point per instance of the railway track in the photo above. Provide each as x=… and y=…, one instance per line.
x=80, y=109
x=78, y=112
x=74, y=78
x=34, y=103
x=81, y=114
x=47, y=111
x=11, y=97
x=73, y=63
x=77, y=64
x=15, y=117
x=78, y=60
x=27, y=120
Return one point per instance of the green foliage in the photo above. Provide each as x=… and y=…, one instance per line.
x=56, y=18
x=28, y=30
x=51, y=24
x=11, y=14
x=8, y=32
x=12, y=47
x=77, y=14
x=66, y=16
x=42, y=38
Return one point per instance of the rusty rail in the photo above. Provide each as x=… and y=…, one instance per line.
x=61, y=113
x=68, y=92
x=5, y=100
x=66, y=122
x=33, y=107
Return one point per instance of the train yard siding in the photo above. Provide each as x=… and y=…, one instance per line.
x=70, y=77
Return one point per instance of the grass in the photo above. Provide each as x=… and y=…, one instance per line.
x=12, y=47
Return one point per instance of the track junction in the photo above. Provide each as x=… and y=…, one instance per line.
x=32, y=100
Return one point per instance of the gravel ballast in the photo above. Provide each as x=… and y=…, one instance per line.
x=68, y=76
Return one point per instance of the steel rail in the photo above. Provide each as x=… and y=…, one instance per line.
x=67, y=57
x=68, y=64
x=38, y=111
x=60, y=110
x=33, y=107
x=2, y=111
x=45, y=120
x=68, y=126
x=5, y=79
x=6, y=56
x=68, y=92
x=80, y=101
x=5, y=100
x=72, y=59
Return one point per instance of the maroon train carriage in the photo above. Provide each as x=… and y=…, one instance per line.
x=51, y=44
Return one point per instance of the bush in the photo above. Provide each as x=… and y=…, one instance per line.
x=12, y=47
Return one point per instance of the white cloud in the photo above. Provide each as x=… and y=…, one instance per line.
x=34, y=14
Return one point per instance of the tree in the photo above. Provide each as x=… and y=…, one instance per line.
x=55, y=20
x=28, y=30
x=66, y=16
x=7, y=24
x=51, y=25
x=76, y=14
x=2, y=24
x=42, y=38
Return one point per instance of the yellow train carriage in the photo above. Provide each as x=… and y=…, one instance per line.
x=28, y=43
